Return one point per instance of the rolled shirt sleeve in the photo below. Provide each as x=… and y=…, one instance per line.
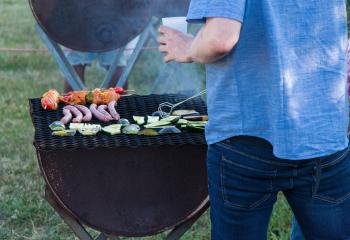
x=199, y=10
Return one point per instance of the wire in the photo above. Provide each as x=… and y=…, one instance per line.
x=39, y=50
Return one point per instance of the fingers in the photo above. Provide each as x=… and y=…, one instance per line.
x=166, y=30
x=162, y=39
x=168, y=58
x=163, y=48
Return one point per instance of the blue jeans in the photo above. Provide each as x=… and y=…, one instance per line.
x=245, y=178
x=296, y=232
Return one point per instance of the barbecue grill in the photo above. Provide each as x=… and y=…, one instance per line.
x=124, y=185
x=121, y=185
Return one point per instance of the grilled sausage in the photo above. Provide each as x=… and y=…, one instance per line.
x=86, y=111
x=112, y=111
x=67, y=116
x=78, y=116
x=97, y=114
x=102, y=109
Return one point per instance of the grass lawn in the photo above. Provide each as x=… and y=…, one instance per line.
x=24, y=214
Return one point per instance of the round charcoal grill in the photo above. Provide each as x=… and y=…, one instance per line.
x=124, y=185
x=100, y=25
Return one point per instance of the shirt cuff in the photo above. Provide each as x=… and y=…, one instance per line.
x=200, y=17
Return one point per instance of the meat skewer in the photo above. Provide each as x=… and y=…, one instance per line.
x=86, y=111
x=77, y=114
x=50, y=100
x=102, y=109
x=97, y=114
x=112, y=111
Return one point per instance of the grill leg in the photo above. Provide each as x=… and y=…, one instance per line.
x=181, y=229
x=76, y=227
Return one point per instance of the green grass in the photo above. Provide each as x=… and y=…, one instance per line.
x=24, y=214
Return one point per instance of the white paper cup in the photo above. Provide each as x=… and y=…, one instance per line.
x=178, y=23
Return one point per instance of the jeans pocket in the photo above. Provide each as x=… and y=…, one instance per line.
x=334, y=182
x=245, y=187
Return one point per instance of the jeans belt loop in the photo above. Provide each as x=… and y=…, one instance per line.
x=318, y=175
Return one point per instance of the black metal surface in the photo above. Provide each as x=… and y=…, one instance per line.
x=127, y=108
x=100, y=25
x=125, y=185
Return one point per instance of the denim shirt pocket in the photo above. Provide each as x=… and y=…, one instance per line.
x=243, y=186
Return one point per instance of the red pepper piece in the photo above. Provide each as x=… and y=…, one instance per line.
x=119, y=90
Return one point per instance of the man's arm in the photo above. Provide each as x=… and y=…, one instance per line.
x=215, y=39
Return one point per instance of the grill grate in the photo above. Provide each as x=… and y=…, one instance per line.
x=127, y=108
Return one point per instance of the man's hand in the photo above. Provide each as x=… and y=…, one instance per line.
x=215, y=39
x=175, y=44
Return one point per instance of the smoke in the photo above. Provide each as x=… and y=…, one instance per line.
x=152, y=76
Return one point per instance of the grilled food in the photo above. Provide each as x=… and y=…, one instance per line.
x=50, y=100
x=102, y=96
x=75, y=98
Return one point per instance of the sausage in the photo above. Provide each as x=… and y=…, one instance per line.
x=86, y=111
x=102, y=109
x=67, y=116
x=97, y=114
x=77, y=114
x=112, y=111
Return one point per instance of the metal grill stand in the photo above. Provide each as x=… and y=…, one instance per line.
x=72, y=77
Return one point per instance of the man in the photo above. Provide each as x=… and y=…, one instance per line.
x=278, y=112
x=79, y=61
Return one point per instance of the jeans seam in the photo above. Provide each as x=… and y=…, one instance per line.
x=235, y=205
x=322, y=197
x=254, y=157
x=332, y=200
x=247, y=168
x=337, y=160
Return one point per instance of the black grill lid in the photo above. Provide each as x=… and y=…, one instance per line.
x=100, y=25
x=127, y=108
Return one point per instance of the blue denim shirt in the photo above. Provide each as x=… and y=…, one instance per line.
x=285, y=81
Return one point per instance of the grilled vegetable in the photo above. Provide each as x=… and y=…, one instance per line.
x=172, y=119
x=112, y=111
x=152, y=119
x=131, y=129
x=113, y=129
x=57, y=126
x=158, y=124
x=50, y=100
x=139, y=120
x=86, y=111
x=196, y=118
x=182, y=122
x=198, y=126
x=191, y=128
x=148, y=132
x=77, y=126
x=170, y=130
x=89, y=132
x=124, y=122
x=67, y=116
x=64, y=133
x=183, y=113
